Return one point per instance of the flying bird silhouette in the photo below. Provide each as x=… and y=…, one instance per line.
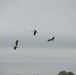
x=34, y=32
x=16, y=45
x=52, y=39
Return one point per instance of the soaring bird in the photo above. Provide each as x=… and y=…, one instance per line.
x=52, y=39
x=34, y=32
x=16, y=43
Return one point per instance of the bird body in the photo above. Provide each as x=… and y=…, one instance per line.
x=52, y=39
x=35, y=31
x=16, y=45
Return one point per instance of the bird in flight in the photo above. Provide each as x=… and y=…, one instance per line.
x=16, y=44
x=35, y=32
x=52, y=39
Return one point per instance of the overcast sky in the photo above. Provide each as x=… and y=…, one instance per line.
x=35, y=55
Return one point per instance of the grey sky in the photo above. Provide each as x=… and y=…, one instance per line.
x=51, y=18
x=33, y=61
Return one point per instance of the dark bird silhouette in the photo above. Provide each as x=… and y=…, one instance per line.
x=15, y=47
x=16, y=43
x=34, y=32
x=52, y=39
